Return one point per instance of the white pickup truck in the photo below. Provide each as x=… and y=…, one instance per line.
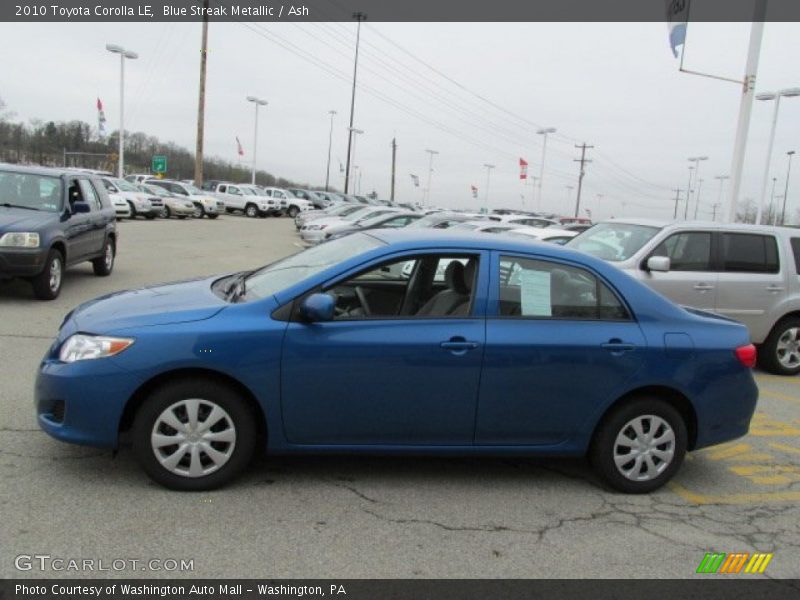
x=245, y=199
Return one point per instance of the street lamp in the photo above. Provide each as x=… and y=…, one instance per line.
x=772, y=199
x=696, y=160
x=430, y=173
x=330, y=142
x=721, y=179
x=790, y=154
x=767, y=97
x=545, y=131
x=353, y=133
x=257, y=102
x=697, y=197
x=123, y=54
x=488, y=177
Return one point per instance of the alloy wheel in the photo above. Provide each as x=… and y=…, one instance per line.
x=644, y=448
x=55, y=274
x=788, y=348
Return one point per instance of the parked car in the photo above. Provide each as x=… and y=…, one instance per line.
x=141, y=204
x=174, y=205
x=274, y=209
x=525, y=220
x=317, y=200
x=137, y=177
x=51, y=219
x=289, y=203
x=548, y=234
x=314, y=232
x=342, y=209
x=205, y=204
x=744, y=272
x=239, y=198
x=334, y=350
x=444, y=220
x=485, y=226
x=121, y=206
x=390, y=220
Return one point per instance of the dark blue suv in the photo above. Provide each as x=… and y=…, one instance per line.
x=51, y=219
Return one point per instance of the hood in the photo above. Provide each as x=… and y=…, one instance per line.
x=179, y=302
x=21, y=219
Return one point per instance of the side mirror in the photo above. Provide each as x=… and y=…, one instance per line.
x=658, y=263
x=80, y=207
x=318, y=307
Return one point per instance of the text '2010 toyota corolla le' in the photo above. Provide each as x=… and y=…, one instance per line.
x=401, y=342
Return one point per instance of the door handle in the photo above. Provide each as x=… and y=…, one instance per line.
x=458, y=345
x=703, y=286
x=774, y=288
x=618, y=347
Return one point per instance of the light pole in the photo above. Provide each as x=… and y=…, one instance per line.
x=352, y=133
x=696, y=160
x=790, y=154
x=697, y=197
x=358, y=16
x=430, y=173
x=688, y=192
x=330, y=142
x=766, y=97
x=721, y=179
x=257, y=102
x=123, y=54
x=772, y=198
x=545, y=131
x=488, y=177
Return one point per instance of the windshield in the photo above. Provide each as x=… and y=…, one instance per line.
x=125, y=186
x=24, y=190
x=192, y=189
x=294, y=269
x=614, y=242
x=154, y=189
x=248, y=192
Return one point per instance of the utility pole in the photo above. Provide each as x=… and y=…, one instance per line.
x=715, y=206
x=677, y=199
x=330, y=142
x=358, y=16
x=688, y=195
x=489, y=168
x=790, y=154
x=583, y=162
x=201, y=101
x=430, y=173
x=394, y=162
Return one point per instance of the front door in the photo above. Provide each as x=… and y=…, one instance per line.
x=399, y=364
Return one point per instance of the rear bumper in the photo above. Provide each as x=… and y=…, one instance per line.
x=22, y=262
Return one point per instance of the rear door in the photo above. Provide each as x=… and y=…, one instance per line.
x=78, y=227
x=750, y=281
x=692, y=278
x=98, y=219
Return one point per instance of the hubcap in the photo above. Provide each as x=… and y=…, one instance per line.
x=251, y=211
x=788, y=348
x=193, y=438
x=644, y=448
x=109, y=255
x=198, y=212
x=55, y=275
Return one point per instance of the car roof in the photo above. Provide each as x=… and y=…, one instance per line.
x=662, y=224
x=38, y=170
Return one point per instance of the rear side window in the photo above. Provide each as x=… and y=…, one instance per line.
x=749, y=253
x=687, y=251
x=796, y=252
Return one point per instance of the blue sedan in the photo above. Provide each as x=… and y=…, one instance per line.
x=400, y=342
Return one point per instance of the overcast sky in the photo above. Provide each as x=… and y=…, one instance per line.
x=614, y=86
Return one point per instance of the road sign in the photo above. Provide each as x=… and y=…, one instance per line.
x=159, y=165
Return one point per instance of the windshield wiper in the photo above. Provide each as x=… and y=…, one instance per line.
x=9, y=205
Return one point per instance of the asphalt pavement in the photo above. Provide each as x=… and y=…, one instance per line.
x=345, y=517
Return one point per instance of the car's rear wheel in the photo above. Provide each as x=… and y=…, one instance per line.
x=103, y=265
x=199, y=211
x=251, y=210
x=780, y=352
x=639, y=446
x=133, y=210
x=166, y=213
x=47, y=284
x=293, y=211
x=212, y=216
x=194, y=435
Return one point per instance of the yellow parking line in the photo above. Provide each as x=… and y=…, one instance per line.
x=754, y=498
x=779, y=396
x=785, y=448
x=768, y=474
x=764, y=377
x=763, y=425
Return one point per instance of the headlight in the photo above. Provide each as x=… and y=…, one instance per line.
x=20, y=239
x=87, y=347
x=316, y=227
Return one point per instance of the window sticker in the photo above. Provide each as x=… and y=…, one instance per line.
x=535, y=293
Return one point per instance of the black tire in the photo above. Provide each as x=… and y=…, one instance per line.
x=604, y=444
x=103, y=265
x=150, y=217
x=199, y=211
x=47, y=284
x=181, y=217
x=166, y=213
x=242, y=421
x=768, y=356
x=212, y=216
x=293, y=211
x=251, y=210
x=133, y=210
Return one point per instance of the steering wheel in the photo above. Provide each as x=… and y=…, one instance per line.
x=362, y=299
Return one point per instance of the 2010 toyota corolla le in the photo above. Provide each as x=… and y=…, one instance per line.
x=399, y=341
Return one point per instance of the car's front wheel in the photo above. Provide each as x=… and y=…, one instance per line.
x=639, y=446
x=199, y=211
x=47, y=284
x=780, y=352
x=103, y=265
x=133, y=210
x=251, y=211
x=194, y=435
x=212, y=215
x=293, y=211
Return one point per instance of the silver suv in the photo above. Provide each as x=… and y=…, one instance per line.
x=749, y=273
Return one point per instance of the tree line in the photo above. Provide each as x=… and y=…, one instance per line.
x=77, y=144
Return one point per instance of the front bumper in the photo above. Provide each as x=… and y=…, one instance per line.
x=22, y=262
x=313, y=236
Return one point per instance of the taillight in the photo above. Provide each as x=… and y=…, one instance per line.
x=746, y=355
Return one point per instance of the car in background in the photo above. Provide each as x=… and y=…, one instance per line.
x=273, y=204
x=744, y=272
x=580, y=221
x=205, y=205
x=392, y=220
x=548, y=234
x=137, y=177
x=483, y=226
x=444, y=220
x=141, y=204
x=316, y=199
x=121, y=206
x=458, y=358
x=524, y=220
x=51, y=219
x=314, y=232
x=341, y=209
x=576, y=227
x=244, y=199
x=174, y=206
x=290, y=204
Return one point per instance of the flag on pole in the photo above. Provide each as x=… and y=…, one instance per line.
x=415, y=179
x=474, y=191
x=523, y=168
x=677, y=21
x=101, y=120
x=239, y=148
